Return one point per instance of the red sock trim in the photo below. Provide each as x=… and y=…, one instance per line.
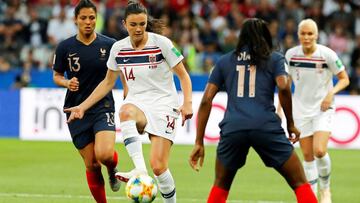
x=217, y=195
x=114, y=162
x=304, y=194
x=96, y=185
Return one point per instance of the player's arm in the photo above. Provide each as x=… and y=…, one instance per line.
x=103, y=88
x=198, y=152
x=125, y=87
x=283, y=83
x=342, y=83
x=186, y=87
x=60, y=80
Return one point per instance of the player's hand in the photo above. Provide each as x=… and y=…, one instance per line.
x=76, y=112
x=326, y=103
x=294, y=134
x=73, y=84
x=197, y=157
x=186, y=112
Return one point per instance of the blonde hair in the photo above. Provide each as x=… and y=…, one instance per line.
x=308, y=21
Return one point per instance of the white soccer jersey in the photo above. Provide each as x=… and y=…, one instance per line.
x=148, y=71
x=312, y=77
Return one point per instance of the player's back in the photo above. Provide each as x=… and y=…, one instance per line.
x=250, y=90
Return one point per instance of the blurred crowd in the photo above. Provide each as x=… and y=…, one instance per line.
x=202, y=29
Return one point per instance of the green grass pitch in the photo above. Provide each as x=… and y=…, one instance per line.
x=43, y=172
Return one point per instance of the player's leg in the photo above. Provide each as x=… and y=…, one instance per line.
x=231, y=156
x=323, y=164
x=309, y=164
x=276, y=151
x=159, y=159
x=306, y=144
x=133, y=121
x=293, y=172
x=223, y=180
x=322, y=128
x=105, y=153
x=94, y=176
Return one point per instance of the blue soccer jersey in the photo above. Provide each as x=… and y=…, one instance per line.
x=88, y=64
x=250, y=90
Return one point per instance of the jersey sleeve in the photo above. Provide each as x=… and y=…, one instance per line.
x=288, y=68
x=216, y=76
x=334, y=62
x=279, y=65
x=59, y=60
x=111, y=62
x=169, y=51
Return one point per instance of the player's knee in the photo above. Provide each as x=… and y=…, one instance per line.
x=320, y=152
x=92, y=166
x=126, y=113
x=104, y=155
x=158, y=167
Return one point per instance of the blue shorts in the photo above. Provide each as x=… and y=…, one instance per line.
x=83, y=130
x=273, y=147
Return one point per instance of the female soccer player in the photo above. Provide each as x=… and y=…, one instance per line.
x=311, y=67
x=83, y=59
x=249, y=75
x=146, y=62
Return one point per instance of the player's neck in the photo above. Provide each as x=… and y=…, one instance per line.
x=86, y=39
x=138, y=45
x=309, y=51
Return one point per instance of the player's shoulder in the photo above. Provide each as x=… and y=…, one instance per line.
x=69, y=42
x=157, y=38
x=293, y=51
x=105, y=39
x=324, y=49
x=123, y=43
x=227, y=58
x=276, y=55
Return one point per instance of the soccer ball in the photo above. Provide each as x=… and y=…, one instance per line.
x=141, y=189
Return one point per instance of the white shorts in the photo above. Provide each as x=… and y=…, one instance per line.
x=320, y=122
x=161, y=120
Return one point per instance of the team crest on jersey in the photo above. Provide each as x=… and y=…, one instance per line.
x=152, y=61
x=319, y=67
x=102, y=53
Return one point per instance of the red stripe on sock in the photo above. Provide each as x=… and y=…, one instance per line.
x=95, y=182
x=304, y=194
x=217, y=195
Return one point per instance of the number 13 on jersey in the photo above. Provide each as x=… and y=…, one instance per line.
x=241, y=79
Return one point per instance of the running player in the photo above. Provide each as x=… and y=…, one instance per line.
x=83, y=58
x=249, y=75
x=311, y=67
x=146, y=62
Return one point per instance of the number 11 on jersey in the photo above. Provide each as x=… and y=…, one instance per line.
x=241, y=80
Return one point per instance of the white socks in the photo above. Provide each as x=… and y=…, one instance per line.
x=311, y=173
x=167, y=186
x=324, y=168
x=133, y=143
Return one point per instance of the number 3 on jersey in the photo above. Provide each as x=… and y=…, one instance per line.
x=241, y=80
x=129, y=74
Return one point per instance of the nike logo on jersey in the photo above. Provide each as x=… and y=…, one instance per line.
x=73, y=54
x=296, y=64
x=126, y=60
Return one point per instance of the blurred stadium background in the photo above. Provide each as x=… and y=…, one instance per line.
x=39, y=164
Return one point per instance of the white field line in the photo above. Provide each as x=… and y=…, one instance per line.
x=63, y=196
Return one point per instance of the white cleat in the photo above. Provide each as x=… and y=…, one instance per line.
x=125, y=176
x=113, y=181
x=325, y=195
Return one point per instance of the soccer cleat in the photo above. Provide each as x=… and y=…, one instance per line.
x=113, y=181
x=125, y=176
x=325, y=195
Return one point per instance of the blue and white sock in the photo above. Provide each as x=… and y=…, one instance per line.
x=311, y=174
x=324, y=167
x=167, y=186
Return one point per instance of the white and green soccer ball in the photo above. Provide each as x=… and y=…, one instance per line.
x=141, y=189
